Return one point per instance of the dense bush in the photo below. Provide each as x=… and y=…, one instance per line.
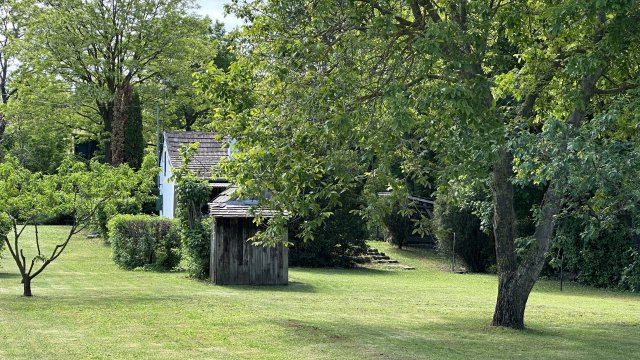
x=473, y=246
x=335, y=244
x=630, y=279
x=397, y=228
x=196, y=245
x=192, y=195
x=601, y=257
x=145, y=193
x=145, y=241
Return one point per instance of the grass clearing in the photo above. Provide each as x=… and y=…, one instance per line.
x=84, y=306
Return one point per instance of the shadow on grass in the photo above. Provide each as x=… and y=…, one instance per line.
x=293, y=286
x=552, y=287
x=362, y=271
x=456, y=337
x=9, y=276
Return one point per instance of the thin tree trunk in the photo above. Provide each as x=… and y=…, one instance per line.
x=3, y=126
x=26, y=283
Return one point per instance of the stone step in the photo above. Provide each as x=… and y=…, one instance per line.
x=374, y=256
x=384, y=261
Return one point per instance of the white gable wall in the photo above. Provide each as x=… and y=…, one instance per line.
x=167, y=187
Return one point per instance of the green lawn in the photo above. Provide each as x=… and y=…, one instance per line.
x=85, y=307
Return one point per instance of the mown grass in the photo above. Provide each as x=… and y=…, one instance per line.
x=85, y=307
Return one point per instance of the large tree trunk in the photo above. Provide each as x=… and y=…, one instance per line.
x=511, y=299
x=106, y=113
x=121, y=115
x=511, y=302
x=516, y=280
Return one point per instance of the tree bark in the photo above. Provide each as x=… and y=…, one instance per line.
x=121, y=115
x=26, y=282
x=511, y=302
x=3, y=126
x=106, y=113
x=512, y=298
x=516, y=280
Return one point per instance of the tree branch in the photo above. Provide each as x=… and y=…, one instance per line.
x=401, y=21
x=614, y=91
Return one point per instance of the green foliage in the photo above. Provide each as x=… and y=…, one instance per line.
x=145, y=241
x=105, y=213
x=473, y=245
x=603, y=258
x=397, y=227
x=630, y=279
x=192, y=194
x=329, y=96
x=184, y=108
x=77, y=189
x=196, y=246
x=5, y=228
x=336, y=243
x=599, y=256
x=143, y=184
x=72, y=43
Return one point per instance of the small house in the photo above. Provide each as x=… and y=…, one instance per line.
x=210, y=152
x=234, y=260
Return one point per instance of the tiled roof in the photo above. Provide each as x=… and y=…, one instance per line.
x=210, y=151
x=224, y=205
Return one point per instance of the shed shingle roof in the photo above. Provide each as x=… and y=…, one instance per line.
x=210, y=151
x=226, y=206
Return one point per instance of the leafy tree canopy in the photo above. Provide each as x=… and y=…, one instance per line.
x=328, y=95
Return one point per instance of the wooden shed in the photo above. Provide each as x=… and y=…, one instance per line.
x=234, y=261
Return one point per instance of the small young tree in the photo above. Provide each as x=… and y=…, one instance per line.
x=76, y=189
x=192, y=194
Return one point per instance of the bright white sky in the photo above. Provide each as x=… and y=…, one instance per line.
x=215, y=10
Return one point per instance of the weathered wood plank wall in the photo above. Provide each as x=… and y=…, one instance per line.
x=234, y=261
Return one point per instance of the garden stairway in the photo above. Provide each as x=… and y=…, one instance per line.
x=373, y=256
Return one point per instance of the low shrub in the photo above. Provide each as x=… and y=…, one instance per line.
x=336, y=243
x=473, y=246
x=192, y=196
x=397, y=228
x=196, y=245
x=145, y=241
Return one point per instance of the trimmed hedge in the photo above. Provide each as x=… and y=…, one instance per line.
x=145, y=241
